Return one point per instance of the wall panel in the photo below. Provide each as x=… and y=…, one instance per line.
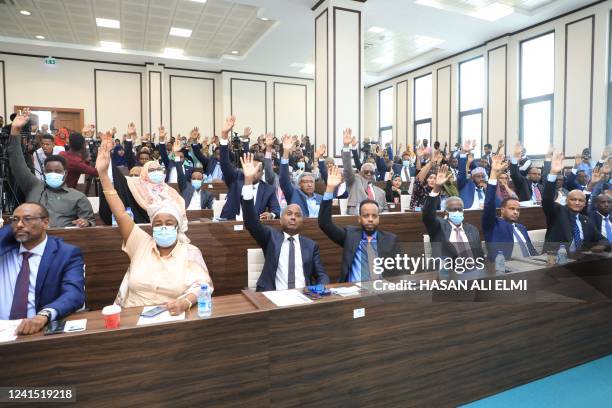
x=249, y=103
x=118, y=99
x=192, y=103
x=290, y=109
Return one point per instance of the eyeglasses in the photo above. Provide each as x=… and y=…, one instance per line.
x=26, y=220
x=368, y=172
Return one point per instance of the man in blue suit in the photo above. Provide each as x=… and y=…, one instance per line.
x=41, y=277
x=471, y=191
x=266, y=203
x=305, y=197
x=292, y=260
x=504, y=233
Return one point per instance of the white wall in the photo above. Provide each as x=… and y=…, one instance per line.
x=119, y=93
x=579, y=118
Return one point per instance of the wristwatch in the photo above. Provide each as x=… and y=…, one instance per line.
x=45, y=313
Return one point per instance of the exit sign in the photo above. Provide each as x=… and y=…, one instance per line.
x=50, y=61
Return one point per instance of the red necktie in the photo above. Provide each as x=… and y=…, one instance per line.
x=369, y=192
x=19, y=309
x=537, y=193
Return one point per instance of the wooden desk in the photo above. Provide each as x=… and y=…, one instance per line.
x=405, y=351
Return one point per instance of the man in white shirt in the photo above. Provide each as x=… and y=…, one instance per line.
x=47, y=148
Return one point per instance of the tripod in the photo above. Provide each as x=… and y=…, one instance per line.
x=8, y=196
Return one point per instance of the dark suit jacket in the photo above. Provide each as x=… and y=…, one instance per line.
x=499, y=233
x=186, y=189
x=596, y=218
x=349, y=239
x=522, y=184
x=270, y=240
x=439, y=231
x=560, y=221
x=209, y=164
x=60, y=283
x=163, y=154
x=234, y=179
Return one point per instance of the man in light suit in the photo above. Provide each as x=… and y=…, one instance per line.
x=360, y=186
x=266, y=203
x=504, y=233
x=450, y=237
x=292, y=260
x=41, y=277
x=361, y=245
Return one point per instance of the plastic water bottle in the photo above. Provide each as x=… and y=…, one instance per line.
x=500, y=262
x=562, y=255
x=204, y=302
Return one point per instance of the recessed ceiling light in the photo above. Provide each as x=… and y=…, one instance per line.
x=180, y=32
x=25, y=12
x=493, y=12
x=107, y=22
x=382, y=60
x=263, y=18
x=173, y=51
x=234, y=52
x=110, y=44
x=376, y=30
x=199, y=1
x=40, y=37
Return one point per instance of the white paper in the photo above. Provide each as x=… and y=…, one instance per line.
x=75, y=325
x=160, y=318
x=289, y=297
x=7, y=330
x=346, y=291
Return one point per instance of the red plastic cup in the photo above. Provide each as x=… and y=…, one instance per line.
x=112, y=315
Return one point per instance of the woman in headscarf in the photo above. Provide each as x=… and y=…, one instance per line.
x=118, y=156
x=393, y=189
x=164, y=268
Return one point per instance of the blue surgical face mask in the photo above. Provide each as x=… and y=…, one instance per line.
x=301, y=165
x=196, y=184
x=157, y=176
x=165, y=236
x=456, y=217
x=406, y=163
x=54, y=180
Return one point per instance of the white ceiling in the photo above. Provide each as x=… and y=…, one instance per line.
x=414, y=34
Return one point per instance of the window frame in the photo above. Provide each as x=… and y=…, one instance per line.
x=416, y=123
x=382, y=129
x=475, y=111
x=535, y=99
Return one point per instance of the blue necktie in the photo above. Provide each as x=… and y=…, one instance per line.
x=480, y=196
x=608, y=228
x=522, y=245
x=576, y=233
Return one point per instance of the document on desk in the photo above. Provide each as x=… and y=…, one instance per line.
x=282, y=298
x=160, y=318
x=7, y=330
x=75, y=325
x=346, y=291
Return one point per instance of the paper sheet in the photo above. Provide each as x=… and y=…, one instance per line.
x=7, y=330
x=346, y=291
x=160, y=318
x=289, y=297
x=75, y=325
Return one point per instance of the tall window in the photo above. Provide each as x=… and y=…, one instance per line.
x=422, y=108
x=537, y=79
x=385, y=115
x=471, y=101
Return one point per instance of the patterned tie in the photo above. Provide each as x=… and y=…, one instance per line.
x=369, y=192
x=576, y=234
x=521, y=243
x=536, y=192
x=608, y=228
x=367, y=259
x=291, y=278
x=463, y=248
x=19, y=309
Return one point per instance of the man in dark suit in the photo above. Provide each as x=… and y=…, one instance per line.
x=450, y=237
x=363, y=244
x=196, y=198
x=41, y=277
x=565, y=224
x=305, y=197
x=528, y=188
x=600, y=215
x=292, y=260
x=504, y=233
x=266, y=203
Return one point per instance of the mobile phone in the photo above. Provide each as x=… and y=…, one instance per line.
x=154, y=312
x=55, y=327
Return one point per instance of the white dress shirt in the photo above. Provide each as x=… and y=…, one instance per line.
x=453, y=235
x=282, y=272
x=194, y=204
x=516, y=249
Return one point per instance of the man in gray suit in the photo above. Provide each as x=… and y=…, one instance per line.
x=360, y=186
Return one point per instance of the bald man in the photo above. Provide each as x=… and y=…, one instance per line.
x=565, y=224
x=292, y=261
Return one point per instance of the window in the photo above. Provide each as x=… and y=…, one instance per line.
x=537, y=77
x=422, y=108
x=385, y=115
x=471, y=101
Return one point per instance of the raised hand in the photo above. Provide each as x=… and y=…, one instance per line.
x=269, y=140
x=466, y=147
x=473, y=144
x=288, y=146
x=500, y=144
x=176, y=146
x=20, y=120
x=556, y=165
x=596, y=176
x=354, y=142
x=249, y=167
x=438, y=156
x=420, y=152
x=320, y=152
x=194, y=135
x=334, y=178
x=347, y=136
x=104, y=157
x=518, y=151
x=247, y=132
x=227, y=127
x=497, y=164
x=442, y=176
x=162, y=134
x=577, y=160
x=131, y=130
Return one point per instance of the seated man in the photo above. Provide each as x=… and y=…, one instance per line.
x=361, y=244
x=195, y=197
x=305, y=197
x=501, y=233
x=67, y=207
x=565, y=224
x=600, y=215
x=266, y=204
x=41, y=277
x=360, y=186
x=471, y=190
x=287, y=265
x=450, y=237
